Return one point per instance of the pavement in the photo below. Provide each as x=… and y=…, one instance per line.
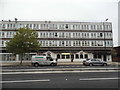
x=28, y=63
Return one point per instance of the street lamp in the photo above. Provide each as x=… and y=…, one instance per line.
x=104, y=39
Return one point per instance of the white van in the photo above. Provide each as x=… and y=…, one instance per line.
x=43, y=60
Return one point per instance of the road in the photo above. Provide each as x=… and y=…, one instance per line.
x=61, y=80
x=59, y=66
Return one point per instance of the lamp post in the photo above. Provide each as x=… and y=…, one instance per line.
x=104, y=39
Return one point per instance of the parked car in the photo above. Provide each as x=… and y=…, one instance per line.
x=92, y=62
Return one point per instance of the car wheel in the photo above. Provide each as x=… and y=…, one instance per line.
x=36, y=64
x=52, y=64
x=90, y=64
x=104, y=64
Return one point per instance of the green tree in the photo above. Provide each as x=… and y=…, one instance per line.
x=23, y=42
x=114, y=52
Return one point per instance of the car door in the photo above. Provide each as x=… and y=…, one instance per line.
x=98, y=62
x=94, y=61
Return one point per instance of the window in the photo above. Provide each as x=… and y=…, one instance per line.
x=94, y=27
x=46, y=43
x=100, y=27
x=56, y=34
x=66, y=43
x=99, y=56
x=63, y=56
x=73, y=35
x=86, y=55
x=85, y=42
x=3, y=34
x=50, y=43
x=69, y=43
x=81, y=55
x=73, y=26
x=87, y=27
x=82, y=27
x=101, y=35
x=30, y=25
x=63, y=35
x=91, y=27
x=91, y=35
x=67, y=56
x=73, y=43
x=76, y=56
x=63, y=43
x=95, y=56
x=87, y=35
x=66, y=26
x=47, y=34
x=72, y=56
x=79, y=43
x=58, y=56
x=60, y=43
x=2, y=43
x=3, y=25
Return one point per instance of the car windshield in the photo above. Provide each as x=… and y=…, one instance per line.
x=87, y=59
x=97, y=60
x=93, y=59
x=50, y=58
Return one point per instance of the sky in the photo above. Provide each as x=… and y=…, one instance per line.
x=62, y=10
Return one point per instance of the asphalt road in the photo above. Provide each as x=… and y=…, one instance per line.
x=61, y=80
x=58, y=66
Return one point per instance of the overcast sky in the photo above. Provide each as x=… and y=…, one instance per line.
x=62, y=10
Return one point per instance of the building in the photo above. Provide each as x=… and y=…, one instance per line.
x=119, y=23
x=67, y=41
x=116, y=54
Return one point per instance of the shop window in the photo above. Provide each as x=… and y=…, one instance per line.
x=99, y=56
x=86, y=55
x=77, y=56
x=63, y=56
x=72, y=56
x=58, y=56
x=95, y=56
x=67, y=56
x=81, y=55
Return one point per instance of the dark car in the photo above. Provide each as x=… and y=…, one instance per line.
x=93, y=62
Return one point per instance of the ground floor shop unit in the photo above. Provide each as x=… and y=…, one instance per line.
x=63, y=54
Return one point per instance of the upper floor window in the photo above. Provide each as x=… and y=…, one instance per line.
x=66, y=26
x=94, y=27
x=91, y=27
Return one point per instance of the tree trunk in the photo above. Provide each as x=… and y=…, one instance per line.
x=22, y=55
x=21, y=62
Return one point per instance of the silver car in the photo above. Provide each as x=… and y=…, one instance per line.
x=92, y=62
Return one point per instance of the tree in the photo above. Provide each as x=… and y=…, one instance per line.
x=23, y=42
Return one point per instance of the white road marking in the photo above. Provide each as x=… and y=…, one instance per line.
x=87, y=79
x=44, y=80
